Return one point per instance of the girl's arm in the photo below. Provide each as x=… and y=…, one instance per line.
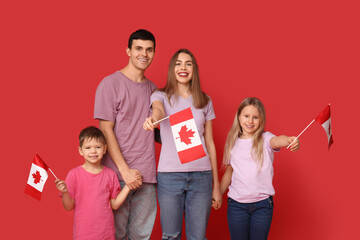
x=67, y=201
x=120, y=198
x=210, y=145
x=226, y=179
x=284, y=141
x=158, y=113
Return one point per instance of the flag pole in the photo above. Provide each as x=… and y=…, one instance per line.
x=53, y=173
x=300, y=134
x=160, y=120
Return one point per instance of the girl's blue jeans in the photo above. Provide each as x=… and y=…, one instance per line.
x=250, y=221
x=184, y=192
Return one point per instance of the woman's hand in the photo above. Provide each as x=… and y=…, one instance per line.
x=148, y=124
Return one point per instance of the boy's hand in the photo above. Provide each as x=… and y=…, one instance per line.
x=61, y=186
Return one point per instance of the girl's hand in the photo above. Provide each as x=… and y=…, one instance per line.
x=295, y=145
x=214, y=204
x=216, y=198
x=61, y=186
x=148, y=124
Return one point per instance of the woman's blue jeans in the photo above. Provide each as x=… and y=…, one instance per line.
x=184, y=192
x=250, y=221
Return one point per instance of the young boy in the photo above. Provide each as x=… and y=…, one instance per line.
x=92, y=190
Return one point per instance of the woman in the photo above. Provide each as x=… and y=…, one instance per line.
x=184, y=188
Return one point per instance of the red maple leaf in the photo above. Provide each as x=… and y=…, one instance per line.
x=36, y=176
x=185, y=135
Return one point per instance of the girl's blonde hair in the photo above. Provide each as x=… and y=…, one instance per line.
x=236, y=131
x=199, y=97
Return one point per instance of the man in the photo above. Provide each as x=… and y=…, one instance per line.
x=121, y=104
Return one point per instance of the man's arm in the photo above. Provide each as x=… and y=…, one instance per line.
x=131, y=177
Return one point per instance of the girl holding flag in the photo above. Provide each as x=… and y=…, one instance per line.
x=184, y=187
x=248, y=158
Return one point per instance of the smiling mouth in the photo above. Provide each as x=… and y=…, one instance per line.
x=182, y=74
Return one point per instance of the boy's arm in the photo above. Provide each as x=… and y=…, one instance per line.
x=158, y=113
x=284, y=141
x=67, y=201
x=226, y=179
x=131, y=177
x=120, y=198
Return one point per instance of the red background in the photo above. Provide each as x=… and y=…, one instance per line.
x=296, y=56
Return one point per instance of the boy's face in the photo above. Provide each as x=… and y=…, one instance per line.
x=93, y=150
x=141, y=53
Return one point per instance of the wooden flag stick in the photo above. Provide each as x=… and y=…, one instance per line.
x=160, y=120
x=53, y=173
x=300, y=133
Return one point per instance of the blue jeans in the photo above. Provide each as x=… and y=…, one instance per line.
x=135, y=218
x=250, y=221
x=184, y=192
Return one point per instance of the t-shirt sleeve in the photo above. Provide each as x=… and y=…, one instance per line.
x=105, y=101
x=267, y=137
x=115, y=189
x=70, y=182
x=157, y=96
x=210, y=113
x=153, y=86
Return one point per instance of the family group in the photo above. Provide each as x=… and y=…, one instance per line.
x=114, y=193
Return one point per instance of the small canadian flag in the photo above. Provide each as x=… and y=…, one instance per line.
x=37, y=178
x=324, y=118
x=186, y=136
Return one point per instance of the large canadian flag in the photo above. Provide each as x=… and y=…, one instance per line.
x=186, y=136
x=37, y=178
x=324, y=118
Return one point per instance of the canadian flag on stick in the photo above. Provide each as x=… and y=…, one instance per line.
x=324, y=118
x=186, y=136
x=37, y=178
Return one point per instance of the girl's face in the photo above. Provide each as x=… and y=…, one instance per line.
x=249, y=119
x=183, y=68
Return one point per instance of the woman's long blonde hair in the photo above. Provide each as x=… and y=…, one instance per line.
x=199, y=97
x=236, y=131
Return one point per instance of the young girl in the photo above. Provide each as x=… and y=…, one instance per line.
x=248, y=157
x=92, y=190
x=184, y=188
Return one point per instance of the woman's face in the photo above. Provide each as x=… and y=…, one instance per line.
x=183, y=69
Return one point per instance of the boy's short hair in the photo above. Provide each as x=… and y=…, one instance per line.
x=141, y=34
x=89, y=133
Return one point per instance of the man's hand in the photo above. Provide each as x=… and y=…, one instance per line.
x=132, y=178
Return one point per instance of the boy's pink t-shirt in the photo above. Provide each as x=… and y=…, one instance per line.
x=248, y=185
x=93, y=215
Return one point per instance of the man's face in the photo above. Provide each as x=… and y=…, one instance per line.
x=141, y=53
